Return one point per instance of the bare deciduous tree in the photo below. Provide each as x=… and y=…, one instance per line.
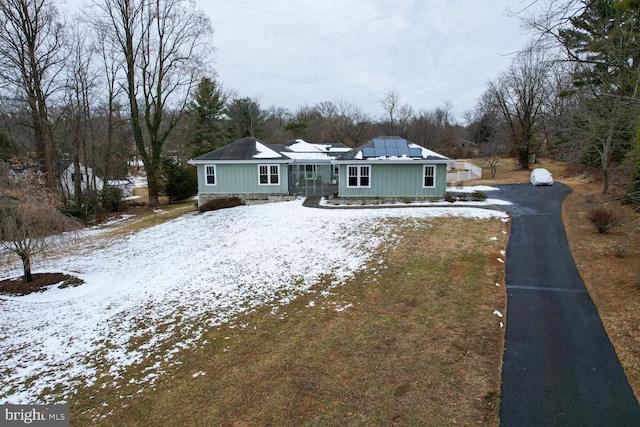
x=113, y=139
x=518, y=97
x=346, y=121
x=429, y=127
x=31, y=57
x=164, y=46
x=277, y=119
x=27, y=223
x=398, y=115
x=80, y=98
x=486, y=136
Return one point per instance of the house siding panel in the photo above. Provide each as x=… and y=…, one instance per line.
x=395, y=180
x=238, y=178
x=324, y=173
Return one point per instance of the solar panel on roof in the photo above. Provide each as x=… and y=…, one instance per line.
x=391, y=147
x=403, y=151
x=378, y=143
x=369, y=152
x=415, y=152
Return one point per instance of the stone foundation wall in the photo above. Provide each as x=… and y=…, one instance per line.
x=248, y=199
x=355, y=201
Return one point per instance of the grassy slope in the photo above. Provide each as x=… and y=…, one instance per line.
x=417, y=344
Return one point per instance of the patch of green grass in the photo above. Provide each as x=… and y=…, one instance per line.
x=148, y=218
x=71, y=283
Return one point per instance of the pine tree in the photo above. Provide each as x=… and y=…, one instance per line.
x=604, y=42
x=246, y=118
x=207, y=109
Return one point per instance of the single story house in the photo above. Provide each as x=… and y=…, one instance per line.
x=385, y=167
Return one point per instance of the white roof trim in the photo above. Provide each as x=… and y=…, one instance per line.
x=281, y=160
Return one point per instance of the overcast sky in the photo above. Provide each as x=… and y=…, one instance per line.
x=291, y=53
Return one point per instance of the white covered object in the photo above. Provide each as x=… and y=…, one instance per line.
x=541, y=176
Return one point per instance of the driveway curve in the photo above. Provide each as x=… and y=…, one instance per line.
x=560, y=368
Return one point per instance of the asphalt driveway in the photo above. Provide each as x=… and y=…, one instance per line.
x=560, y=368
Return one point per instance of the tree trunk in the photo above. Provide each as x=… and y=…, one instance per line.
x=153, y=186
x=523, y=158
x=636, y=173
x=77, y=181
x=43, y=144
x=26, y=266
x=604, y=158
x=605, y=180
x=44, y=137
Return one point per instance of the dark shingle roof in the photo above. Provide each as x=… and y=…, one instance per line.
x=247, y=149
x=242, y=149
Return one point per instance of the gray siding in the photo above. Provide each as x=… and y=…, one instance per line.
x=241, y=178
x=324, y=172
x=395, y=180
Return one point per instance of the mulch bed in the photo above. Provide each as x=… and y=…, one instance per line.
x=40, y=281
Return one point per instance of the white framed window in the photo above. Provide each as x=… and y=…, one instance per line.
x=210, y=175
x=268, y=174
x=429, y=180
x=336, y=170
x=359, y=176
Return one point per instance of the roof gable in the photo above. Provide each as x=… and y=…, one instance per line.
x=302, y=146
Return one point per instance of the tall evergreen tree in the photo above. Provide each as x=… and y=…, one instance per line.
x=245, y=118
x=207, y=110
x=633, y=7
x=604, y=42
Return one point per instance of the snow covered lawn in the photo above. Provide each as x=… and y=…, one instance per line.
x=152, y=293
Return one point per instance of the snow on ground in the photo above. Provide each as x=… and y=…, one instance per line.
x=150, y=294
x=471, y=188
x=441, y=203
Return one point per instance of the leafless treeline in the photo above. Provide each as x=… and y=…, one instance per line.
x=133, y=79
